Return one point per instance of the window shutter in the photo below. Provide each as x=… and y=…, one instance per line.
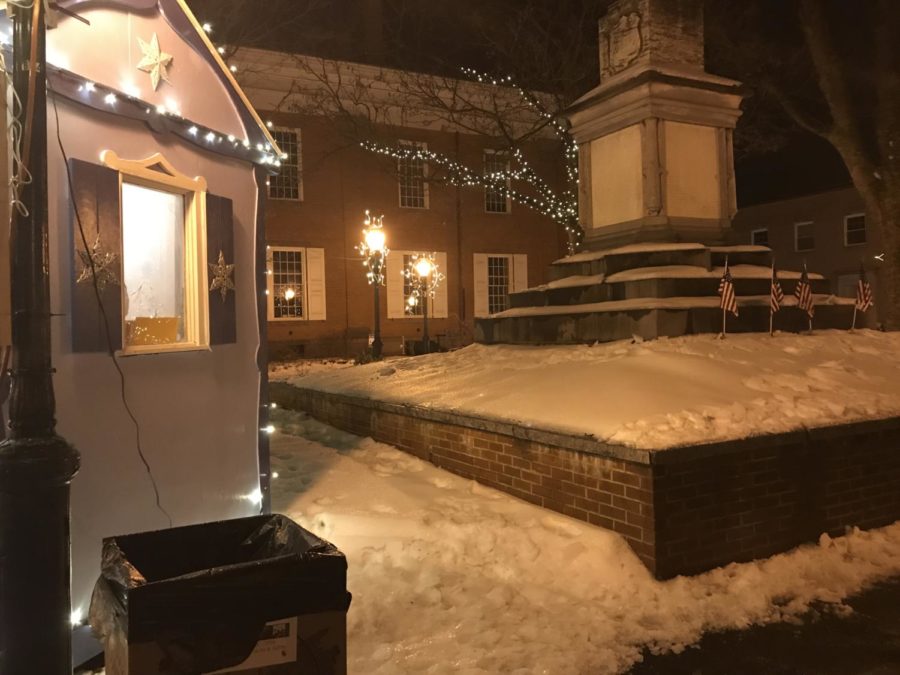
x=220, y=238
x=520, y=273
x=96, y=198
x=440, y=293
x=394, y=280
x=315, y=284
x=481, y=284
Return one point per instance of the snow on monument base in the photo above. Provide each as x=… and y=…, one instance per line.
x=657, y=290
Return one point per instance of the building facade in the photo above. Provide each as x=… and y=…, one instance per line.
x=828, y=231
x=319, y=300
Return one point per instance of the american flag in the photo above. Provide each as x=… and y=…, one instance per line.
x=776, y=297
x=726, y=290
x=863, y=292
x=804, y=294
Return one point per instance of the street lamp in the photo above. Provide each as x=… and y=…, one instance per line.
x=424, y=278
x=374, y=252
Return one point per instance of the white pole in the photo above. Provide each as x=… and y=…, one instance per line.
x=771, y=320
x=853, y=326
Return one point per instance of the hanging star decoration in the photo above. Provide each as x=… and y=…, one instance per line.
x=154, y=61
x=104, y=266
x=221, y=273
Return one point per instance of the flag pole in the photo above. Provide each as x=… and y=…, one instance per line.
x=853, y=325
x=724, y=311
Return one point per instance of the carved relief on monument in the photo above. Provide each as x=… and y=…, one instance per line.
x=621, y=38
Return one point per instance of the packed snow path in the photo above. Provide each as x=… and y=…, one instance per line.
x=451, y=577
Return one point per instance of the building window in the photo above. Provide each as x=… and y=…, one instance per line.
x=496, y=200
x=498, y=283
x=855, y=229
x=759, y=237
x=288, y=183
x=411, y=172
x=287, y=283
x=804, y=237
x=496, y=276
x=295, y=283
x=153, y=266
x=163, y=257
x=412, y=305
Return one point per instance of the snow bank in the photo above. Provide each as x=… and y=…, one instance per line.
x=449, y=577
x=649, y=395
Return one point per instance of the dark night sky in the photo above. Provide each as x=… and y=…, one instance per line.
x=435, y=36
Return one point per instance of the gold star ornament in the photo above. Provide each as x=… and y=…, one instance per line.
x=104, y=266
x=154, y=61
x=221, y=274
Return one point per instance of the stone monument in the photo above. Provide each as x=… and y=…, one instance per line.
x=656, y=198
x=655, y=138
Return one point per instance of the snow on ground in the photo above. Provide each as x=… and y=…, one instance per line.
x=280, y=370
x=652, y=395
x=450, y=577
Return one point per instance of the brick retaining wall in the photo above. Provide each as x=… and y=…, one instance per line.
x=683, y=510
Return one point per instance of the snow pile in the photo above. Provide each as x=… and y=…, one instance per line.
x=651, y=395
x=281, y=370
x=451, y=577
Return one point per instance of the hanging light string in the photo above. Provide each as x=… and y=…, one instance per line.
x=560, y=206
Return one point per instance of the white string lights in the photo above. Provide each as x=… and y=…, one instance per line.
x=560, y=206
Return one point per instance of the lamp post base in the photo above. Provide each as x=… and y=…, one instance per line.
x=35, y=556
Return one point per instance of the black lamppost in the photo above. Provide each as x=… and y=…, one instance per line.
x=374, y=251
x=424, y=267
x=36, y=465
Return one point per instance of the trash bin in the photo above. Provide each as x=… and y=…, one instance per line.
x=255, y=596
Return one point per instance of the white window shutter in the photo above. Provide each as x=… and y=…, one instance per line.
x=394, y=281
x=520, y=273
x=481, y=284
x=440, y=293
x=315, y=284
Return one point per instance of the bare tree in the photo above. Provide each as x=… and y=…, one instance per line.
x=834, y=68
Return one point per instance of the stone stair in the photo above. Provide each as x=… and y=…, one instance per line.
x=655, y=290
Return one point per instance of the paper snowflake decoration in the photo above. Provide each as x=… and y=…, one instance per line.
x=221, y=274
x=154, y=61
x=103, y=267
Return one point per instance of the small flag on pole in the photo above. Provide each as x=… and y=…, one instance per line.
x=863, y=292
x=728, y=302
x=804, y=294
x=776, y=297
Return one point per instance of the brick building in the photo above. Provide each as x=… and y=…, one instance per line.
x=827, y=230
x=319, y=300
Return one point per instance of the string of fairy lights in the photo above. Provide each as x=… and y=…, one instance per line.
x=561, y=206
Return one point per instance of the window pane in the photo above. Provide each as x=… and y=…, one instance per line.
x=760, y=237
x=498, y=284
x=412, y=178
x=805, y=239
x=153, y=265
x=495, y=201
x=287, y=284
x=286, y=185
x=412, y=304
x=856, y=230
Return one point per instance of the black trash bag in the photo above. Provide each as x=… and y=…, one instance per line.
x=204, y=593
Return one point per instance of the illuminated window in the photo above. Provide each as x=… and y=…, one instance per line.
x=163, y=270
x=855, y=229
x=411, y=172
x=288, y=183
x=295, y=283
x=153, y=266
x=413, y=304
x=496, y=200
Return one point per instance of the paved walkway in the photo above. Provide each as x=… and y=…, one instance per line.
x=867, y=642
